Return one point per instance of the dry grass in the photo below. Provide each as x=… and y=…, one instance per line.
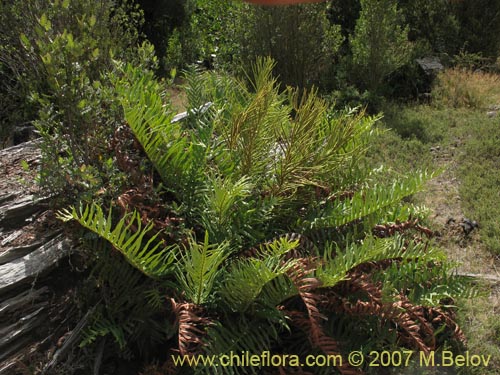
x=177, y=98
x=458, y=88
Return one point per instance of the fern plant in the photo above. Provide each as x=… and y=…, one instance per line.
x=289, y=238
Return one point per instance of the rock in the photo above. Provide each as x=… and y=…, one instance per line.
x=431, y=65
x=468, y=225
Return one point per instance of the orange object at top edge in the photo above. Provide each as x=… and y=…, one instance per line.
x=281, y=2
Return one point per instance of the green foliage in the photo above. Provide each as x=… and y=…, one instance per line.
x=129, y=307
x=479, y=178
x=479, y=26
x=161, y=19
x=301, y=34
x=261, y=162
x=432, y=24
x=142, y=252
x=367, y=204
x=68, y=49
x=379, y=44
x=198, y=269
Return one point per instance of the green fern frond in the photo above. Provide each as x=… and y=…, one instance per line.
x=168, y=145
x=220, y=197
x=366, y=202
x=240, y=334
x=103, y=327
x=260, y=280
x=427, y=284
x=147, y=256
x=335, y=267
x=198, y=268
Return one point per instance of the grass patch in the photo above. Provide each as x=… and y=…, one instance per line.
x=455, y=131
x=456, y=88
x=480, y=178
x=482, y=328
x=428, y=137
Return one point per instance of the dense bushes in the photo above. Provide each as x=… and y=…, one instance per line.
x=379, y=44
x=61, y=54
x=300, y=39
x=314, y=44
x=317, y=39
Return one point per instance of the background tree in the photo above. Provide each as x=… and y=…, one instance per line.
x=479, y=26
x=380, y=43
x=300, y=39
x=432, y=24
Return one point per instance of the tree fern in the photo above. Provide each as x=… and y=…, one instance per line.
x=257, y=164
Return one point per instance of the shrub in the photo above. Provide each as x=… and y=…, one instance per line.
x=479, y=26
x=380, y=43
x=70, y=47
x=283, y=231
x=86, y=39
x=300, y=39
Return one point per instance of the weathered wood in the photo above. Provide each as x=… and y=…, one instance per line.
x=23, y=301
x=21, y=149
x=11, y=237
x=8, y=363
x=183, y=115
x=11, y=253
x=6, y=197
x=10, y=334
x=482, y=276
x=69, y=342
x=15, y=213
x=29, y=249
x=32, y=265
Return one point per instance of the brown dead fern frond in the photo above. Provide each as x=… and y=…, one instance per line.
x=389, y=230
x=305, y=284
x=439, y=317
x=190, y=323
x=327, y=344
x=413, y=329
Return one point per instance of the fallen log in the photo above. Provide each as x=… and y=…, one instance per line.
x=34, y=264
x=32, y=307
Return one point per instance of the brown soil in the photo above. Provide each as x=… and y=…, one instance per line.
x=472, y=257
x=443, y=198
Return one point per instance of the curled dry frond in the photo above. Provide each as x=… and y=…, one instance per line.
x=388, y=230
x=439, y=316
x=190, y=325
